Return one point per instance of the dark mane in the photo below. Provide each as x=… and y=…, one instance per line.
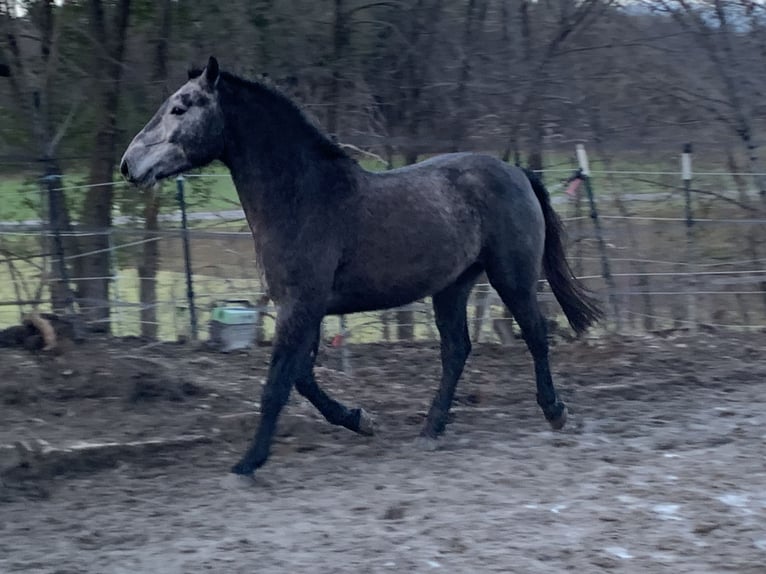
x=324, y=142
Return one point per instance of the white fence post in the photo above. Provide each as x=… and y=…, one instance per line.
x=606, y=273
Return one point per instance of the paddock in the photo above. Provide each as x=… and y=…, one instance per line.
x=114, y=457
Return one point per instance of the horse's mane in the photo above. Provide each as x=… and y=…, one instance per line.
x=260, y=89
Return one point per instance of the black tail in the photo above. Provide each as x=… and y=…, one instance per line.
x=581, y=310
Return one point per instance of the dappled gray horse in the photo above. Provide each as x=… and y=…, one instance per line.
x=333, y=238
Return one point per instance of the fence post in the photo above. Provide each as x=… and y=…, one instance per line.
x=187, y=256
x=61, y=288
x=261, y=305
x=582, y=158
x=579, y=232
x=481, y=307
x=345, y=356
x=175, y=309
x=686, y=175
x=405, y=323
x=114, y=268
x=385, y=317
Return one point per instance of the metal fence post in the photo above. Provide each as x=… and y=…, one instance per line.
x=345, y=355
x=606, y=272
x=187, y=256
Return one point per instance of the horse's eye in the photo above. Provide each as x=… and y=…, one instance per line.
x=178, y=111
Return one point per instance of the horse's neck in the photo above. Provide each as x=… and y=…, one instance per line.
x=284, y=169
x=258, y=195
x=274, y=191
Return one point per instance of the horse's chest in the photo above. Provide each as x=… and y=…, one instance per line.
x=292, y=267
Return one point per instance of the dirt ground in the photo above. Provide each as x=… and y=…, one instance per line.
x=662, y=467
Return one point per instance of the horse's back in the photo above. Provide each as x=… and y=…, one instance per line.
x=413, y=231
x=480, y=183
x=487, y=172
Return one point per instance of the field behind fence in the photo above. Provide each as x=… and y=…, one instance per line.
x=659, y=250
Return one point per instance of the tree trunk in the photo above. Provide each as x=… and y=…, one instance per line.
x=340, y=38
x=62, y=298
x=405, y=324
x=150, y=253
x=423, y=19
x=474, y=20
x=538, y=57
x=94, y=268
x=526, y=36
x=752, y=237
x=405, y=318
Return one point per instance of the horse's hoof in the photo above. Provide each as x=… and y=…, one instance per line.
x=426, y=443
x=243, y=469
x=558, y=422
x=366, y=426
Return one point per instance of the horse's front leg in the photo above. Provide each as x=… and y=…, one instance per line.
x=291, y=360
x=334, y=412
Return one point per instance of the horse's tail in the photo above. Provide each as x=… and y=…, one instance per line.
x=580, y=309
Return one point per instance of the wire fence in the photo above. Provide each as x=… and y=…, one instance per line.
x=660, y=250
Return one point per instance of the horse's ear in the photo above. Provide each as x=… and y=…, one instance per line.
x=212, y=72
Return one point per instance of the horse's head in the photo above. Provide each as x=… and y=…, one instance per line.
x=185, y=132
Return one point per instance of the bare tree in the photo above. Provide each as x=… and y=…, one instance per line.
x=340, y=41
x=476, y=12
x=739, y=89
x=541, y=47
x=108, y=37
x=30, y=47
x=150, y=253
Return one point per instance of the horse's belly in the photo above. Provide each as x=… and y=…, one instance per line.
x=409, y=247
x=359, y=300
x=386, y=284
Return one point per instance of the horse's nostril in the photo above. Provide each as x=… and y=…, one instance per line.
x=124, y=169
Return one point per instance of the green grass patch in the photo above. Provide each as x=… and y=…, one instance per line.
x=21, y=198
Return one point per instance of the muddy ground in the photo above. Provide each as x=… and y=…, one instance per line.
x=662, y=467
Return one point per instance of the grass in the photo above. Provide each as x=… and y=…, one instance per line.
x=20, y=199
x=20, y=195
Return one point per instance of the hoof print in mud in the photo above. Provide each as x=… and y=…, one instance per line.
x=426, y=443
x=238, y=482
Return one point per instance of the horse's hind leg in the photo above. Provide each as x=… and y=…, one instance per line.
x=450, y=314
x=334, y=412
x=516, y=288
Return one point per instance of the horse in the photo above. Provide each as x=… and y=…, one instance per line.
x=333, y=238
